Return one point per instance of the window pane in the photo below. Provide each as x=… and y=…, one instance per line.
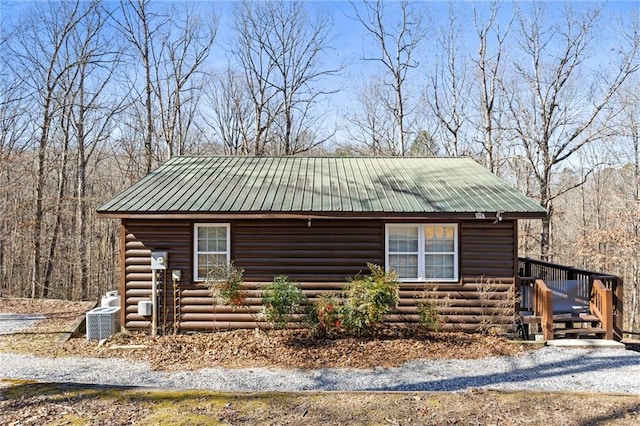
x=203, y=267
x=439, y=266
x=428, y=232
x=403, y=239
x=437, y=253
x=439, y=239
x=211, y=248
x=212, y=239
x=405, y=265
x=439, y=232
x=448, y=245
x=202, y=244
x=206, y=262
x=394, y=239
x=220, y=244
x=449, y=233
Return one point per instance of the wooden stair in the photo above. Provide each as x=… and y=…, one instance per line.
x=577, y=326
x=568, y=326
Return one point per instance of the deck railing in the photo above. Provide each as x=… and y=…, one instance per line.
x=601, y=305
x=531, y=269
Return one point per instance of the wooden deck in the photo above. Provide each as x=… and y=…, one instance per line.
x=562, y=302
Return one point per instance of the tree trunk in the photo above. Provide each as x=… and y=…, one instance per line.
x=38, y=215
x=62, y=176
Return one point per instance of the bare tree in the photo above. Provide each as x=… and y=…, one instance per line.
x=372, y=125
x=14, y=125
x=231, y=108
x=554, y=111
x=94, y=106
x=449, y=91
x=279, y=46
x=178, y=76
x=41, y=61
x=489, y=71
x=625, y=231
x=396, y=45
x=143, y=29
x=258, y=69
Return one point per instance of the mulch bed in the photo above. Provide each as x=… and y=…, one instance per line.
x=247, y=348
x=295, y=349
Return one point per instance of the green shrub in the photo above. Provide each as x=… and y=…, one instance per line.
x=368, y=299
x=225, y=283
x=429, y=315
x=282, y=300
x=324, y=315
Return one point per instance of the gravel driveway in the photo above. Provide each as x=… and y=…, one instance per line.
x=11, y=323
x=549, y=368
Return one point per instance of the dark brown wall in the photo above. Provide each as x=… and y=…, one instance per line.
x=328, y=250
x=487, y=249
x=320, y=257
x=142, y=237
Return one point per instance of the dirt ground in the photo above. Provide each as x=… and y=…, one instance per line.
x=63, y=404
x=24, y=403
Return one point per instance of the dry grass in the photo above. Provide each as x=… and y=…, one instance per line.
x=35, y=404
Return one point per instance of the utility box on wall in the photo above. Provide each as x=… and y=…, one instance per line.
x=159, y=260
x=145, y=308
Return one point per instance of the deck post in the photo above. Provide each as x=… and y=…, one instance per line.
x=607, y=313
x=547, y=315
x=543, y=307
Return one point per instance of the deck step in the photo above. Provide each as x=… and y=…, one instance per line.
x=531, y=319
x=585, y=317
x=586, y=331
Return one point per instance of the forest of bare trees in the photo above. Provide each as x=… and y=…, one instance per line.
x=93, y=95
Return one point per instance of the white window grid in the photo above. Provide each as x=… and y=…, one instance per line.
x=422, y=251
x=196, y=252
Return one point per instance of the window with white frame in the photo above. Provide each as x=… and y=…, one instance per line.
x=211, y=247
x=422, y=252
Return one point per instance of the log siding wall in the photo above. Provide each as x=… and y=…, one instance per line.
x=320, y=257
x=327, y=250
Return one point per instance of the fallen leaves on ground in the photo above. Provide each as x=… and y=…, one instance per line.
x=246, y=348
x=35, y=404
x=295, y=349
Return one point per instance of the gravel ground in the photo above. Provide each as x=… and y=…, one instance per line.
x=11, y=323
x=547, y=369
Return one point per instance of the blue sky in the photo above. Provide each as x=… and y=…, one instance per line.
x=350, y=40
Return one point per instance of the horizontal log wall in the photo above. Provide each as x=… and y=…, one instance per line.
x=320, y=250
x=319, y=257
x=141, y=238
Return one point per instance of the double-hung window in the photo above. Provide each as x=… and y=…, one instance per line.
x=422, y=252
x=211, y=247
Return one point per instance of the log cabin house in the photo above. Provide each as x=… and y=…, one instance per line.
x=447, y=226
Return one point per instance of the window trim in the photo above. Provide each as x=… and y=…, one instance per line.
x=422, y=252
x=196, y=252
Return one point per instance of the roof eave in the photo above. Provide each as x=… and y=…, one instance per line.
x=320, y=215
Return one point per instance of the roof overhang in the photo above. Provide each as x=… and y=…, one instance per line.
x=323, y=215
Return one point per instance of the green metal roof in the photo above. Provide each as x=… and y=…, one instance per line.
x=320, y=185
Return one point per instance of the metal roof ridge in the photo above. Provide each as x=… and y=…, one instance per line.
x=349, y=157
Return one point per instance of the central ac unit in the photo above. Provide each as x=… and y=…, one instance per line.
x=102, y=322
